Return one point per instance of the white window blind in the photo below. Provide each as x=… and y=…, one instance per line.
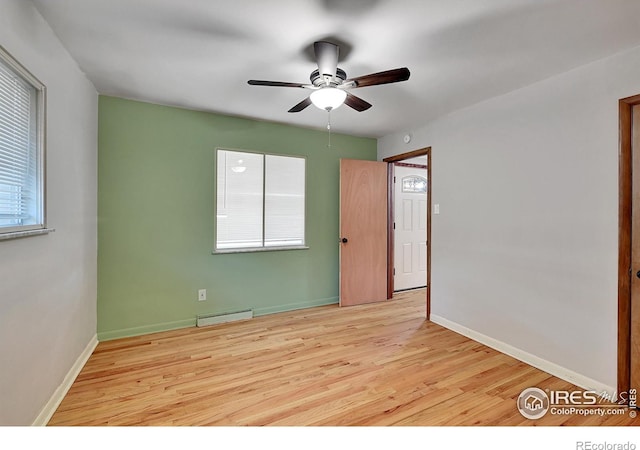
x=260, y=201
x=21, y=204
x=284, y=201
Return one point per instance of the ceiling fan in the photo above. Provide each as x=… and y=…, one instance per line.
x=330, y=83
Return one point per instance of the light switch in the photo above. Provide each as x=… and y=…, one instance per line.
x=436, y=208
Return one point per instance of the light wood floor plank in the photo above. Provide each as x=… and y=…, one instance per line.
x=371, y=365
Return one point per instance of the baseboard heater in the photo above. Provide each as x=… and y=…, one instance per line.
x=214, y=319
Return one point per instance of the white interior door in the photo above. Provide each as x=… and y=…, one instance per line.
x=410, y=233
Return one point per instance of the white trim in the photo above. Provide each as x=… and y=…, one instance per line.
x=55, y=400
x=533, y=360
x=21, y=234
x=259, y=249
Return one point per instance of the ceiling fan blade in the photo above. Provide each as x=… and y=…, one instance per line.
x=278, y=84
x=388, y=76
x=327, y=58
x=356, y=103
x=300, y=106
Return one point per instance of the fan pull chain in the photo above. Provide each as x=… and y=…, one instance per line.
x=329, y=126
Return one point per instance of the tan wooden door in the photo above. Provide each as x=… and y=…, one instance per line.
x=363, y=232
x=635, y=252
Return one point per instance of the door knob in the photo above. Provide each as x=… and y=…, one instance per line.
x=638, y=274
x=345, y=240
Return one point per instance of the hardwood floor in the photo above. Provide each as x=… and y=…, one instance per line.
x=379, y=364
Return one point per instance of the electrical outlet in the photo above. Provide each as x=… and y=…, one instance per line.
x=202, y=295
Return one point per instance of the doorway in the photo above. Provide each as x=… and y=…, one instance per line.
x=407, y=160
x=629, y=245
x=410, y=224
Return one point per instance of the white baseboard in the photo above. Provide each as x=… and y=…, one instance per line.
x=55, y=400
x=533, y=360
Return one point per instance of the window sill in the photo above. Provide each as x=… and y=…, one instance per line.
x=22, y=234
x=259, y=249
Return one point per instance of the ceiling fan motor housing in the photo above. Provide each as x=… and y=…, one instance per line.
x=319, y=80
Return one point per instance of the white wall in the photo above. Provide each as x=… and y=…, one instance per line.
x=48, y=283
x=525, y=248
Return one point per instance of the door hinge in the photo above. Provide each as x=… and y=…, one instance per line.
x=394, y=179
x=394, y=225
x=394, y=271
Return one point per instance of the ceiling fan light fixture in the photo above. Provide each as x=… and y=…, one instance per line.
x=330, y=83
x=328, y=98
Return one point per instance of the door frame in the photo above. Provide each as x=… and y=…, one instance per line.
x=390, y=206
x=625, y=201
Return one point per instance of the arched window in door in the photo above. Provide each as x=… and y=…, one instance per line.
x=414, y=184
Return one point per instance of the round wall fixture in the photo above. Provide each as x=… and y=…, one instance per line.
x=406, y=138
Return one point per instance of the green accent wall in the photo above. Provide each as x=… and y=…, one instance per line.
x=156, y=219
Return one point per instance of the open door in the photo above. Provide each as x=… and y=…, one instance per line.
x=363, y=232
x=629, y=249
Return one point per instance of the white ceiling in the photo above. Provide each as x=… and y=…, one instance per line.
x=199, y=54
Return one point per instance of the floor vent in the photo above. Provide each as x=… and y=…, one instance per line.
x=213, y=319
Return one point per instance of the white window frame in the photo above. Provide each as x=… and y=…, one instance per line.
x=40, y=227
x=263, y=247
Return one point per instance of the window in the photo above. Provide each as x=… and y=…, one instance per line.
x=260, y=201
x=21, y=148
x=414, y=184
